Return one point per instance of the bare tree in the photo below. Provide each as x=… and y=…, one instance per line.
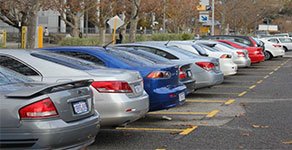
x=135, y=7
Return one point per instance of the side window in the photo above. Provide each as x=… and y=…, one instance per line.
x=151, y=50
x=273, y=40
x=84, y=56
x=17, y=66
x=165, y=54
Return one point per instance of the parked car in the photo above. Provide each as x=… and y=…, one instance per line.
x=272, y=50
x=285, y=42
x=227, y=66
x=186, y=73
x=118, y=94
x=161, y=81
x=255, y=54
x=247, y=40
x=40, y=116
x=239, y=56
x=206, y=70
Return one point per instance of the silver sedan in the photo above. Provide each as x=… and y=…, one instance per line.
x=39, y=116
x=119, y=94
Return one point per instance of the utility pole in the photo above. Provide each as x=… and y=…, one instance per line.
x=213, y=17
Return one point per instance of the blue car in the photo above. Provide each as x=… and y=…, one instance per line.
x=161, y=81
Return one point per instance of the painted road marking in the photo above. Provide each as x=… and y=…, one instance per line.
x=243, y=93
x=230, y=86
x=212, y=113
x=151, y=129
x=287, y=142
x=271, y=72
x=266, y=76
x=204, y=101
x=178, y=113
x=252, y=87
x=188, y=130
x=228, y=102
x=259, y=82
x=221, y=93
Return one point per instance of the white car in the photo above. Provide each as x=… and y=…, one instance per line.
x=286, y=42
x=272, y=49
x=239, y=56
x=227, y=66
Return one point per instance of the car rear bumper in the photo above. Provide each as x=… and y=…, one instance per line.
x=242, y=62
x=208, y=79
x=117, y=109
x=165, y=97
x=257, y=58
x=191, y=86
x=51, y=134
x=228, y=67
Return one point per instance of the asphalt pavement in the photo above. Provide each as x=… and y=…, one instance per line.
x=250, y=110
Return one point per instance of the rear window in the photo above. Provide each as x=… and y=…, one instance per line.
x=208, y=48
x=9, y=77
x=226, y=45
x=188, y=53
x=67, y=61
x=129, y=58
x=149, y=56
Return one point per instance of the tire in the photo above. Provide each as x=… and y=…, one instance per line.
x=285, y=48
x=268, y=55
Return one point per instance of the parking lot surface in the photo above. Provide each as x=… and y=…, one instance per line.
x=250, y=110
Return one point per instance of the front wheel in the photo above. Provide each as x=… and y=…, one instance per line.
x=268, y=55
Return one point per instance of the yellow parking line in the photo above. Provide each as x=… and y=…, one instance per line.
x=243, y=93
x=259, y=82
x=251, y=87
x=216, y=93
x=230, y=86
x=178, y=113
x=276, y=69
x=151, y=129
x=188, y=130
x=212, y=113
x=287, y=142
x=271, y=72
x=266, y=76
x=204, y=101
x=229, y=102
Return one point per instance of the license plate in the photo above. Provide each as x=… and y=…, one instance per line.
x=138, y=88
x=80, y=107
x=182, y=96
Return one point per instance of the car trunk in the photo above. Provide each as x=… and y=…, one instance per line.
x=66, y=97
x=133, y=78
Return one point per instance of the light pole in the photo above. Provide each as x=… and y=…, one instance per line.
x=164, y=15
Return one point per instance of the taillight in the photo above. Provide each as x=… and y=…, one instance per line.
x=112, y=87
x=159, y=74
x=276, y=45
x=182, y=74
x=225, y=56
x=206, y=65
x=240, y=54
x=41, y=109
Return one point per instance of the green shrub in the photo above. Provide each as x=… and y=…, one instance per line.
x=75, y=41
x=1, y=45
x=172, y=37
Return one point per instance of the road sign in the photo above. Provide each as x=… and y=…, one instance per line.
x=115, y=22
x=204, y=2
x=203, y=17
x=201, y=8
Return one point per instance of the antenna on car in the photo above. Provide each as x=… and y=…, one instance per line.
x=167, y=43
x=105, y=46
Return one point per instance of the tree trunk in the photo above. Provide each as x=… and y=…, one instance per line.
x=102, y=34
x=32, y=25
x=134, y=20
x=75, y=29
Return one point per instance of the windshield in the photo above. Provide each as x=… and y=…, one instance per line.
x=188, y=53
x=129, y=58
x=66, y=61
x=9, y=77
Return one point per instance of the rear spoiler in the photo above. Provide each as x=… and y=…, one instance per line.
x=51, y=88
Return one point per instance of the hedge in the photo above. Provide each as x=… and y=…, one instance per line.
x=73, y=41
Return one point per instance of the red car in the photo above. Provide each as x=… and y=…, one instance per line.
x=255, y=54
